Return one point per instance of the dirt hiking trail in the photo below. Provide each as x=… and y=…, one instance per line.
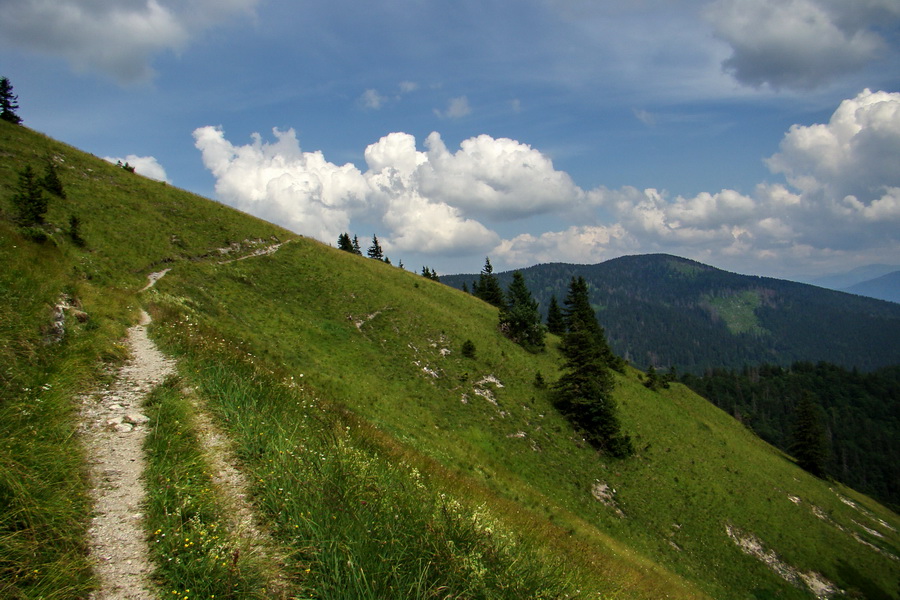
x=114, y=431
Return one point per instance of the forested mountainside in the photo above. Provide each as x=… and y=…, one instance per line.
x=859, y=414
x=668, y=311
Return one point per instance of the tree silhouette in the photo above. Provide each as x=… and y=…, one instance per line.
x=8, y=102
x=344, y=242
x=487, y=287
x=375, y=250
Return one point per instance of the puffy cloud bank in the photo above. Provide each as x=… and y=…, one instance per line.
x=840, y=198
x=799, y=44
x=118, y=37
x=430, y=201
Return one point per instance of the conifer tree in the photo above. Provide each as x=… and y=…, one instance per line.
x=579, y=313
x=808, y=445
x=356, y=249
x=344, y=243
x=584, y=391
x=556, y=323
x=375, y=250
x=29, y=200
x=653, y=381
x=8, y=102
x=75, y=231
x=487, y=287
x=520, y=320
x=51, y=181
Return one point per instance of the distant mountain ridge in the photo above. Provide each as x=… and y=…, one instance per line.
x=886, y=287
x=842, y=281
x=669, y=311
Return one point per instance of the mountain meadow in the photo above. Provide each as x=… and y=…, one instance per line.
x=382, y=461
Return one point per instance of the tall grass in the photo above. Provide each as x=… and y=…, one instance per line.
x=361, y=522
x=195, y=554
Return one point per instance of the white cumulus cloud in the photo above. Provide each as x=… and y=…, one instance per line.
x=117, y=37
x=147, y=166
x=799, y=44
x=842, y=199
x=307, y=194
x=279, y=182
x=497, y=178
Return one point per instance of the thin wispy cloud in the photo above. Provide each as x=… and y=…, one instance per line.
x=457, y=108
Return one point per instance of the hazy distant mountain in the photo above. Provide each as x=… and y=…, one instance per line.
x=886, y=287
x=665, y=310
x=842, y=281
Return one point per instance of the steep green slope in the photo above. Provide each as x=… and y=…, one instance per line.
x=377, y=339
x=342, y=385
x=668, y=311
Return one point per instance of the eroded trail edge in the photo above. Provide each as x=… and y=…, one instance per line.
x=114, y=431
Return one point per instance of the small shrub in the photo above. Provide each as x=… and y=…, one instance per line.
x=468, y=349
x=34, y=234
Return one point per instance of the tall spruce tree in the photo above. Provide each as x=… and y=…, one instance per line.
x=578, y=312
x=375, y=250
x=356, y=248
x=808, y=445
x=487, y=287
x=8, y=102
x=29, y=200
x=520, y=320
x=584, y=391
x=556, y=322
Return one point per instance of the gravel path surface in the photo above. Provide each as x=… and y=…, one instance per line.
x=114, y=430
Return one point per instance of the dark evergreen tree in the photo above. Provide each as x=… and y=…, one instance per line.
x=356, y=248
x=8, y=102
x=375, y=250
x=51, y=180
x=556, y=322
x=653, y=381
x=487, y=287
x=584, y=391
x=808, y=445
x=520, y=320
x=75, y=230
x=344, y=242
x=468, y=349
x=579, y=313
x=29, y=200
x=465, y=287
x=430, y=273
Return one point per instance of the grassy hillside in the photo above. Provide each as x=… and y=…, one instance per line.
x=668, y=311
x=385, y=463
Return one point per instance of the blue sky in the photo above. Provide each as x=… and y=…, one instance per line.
x=760, y=136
